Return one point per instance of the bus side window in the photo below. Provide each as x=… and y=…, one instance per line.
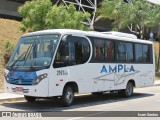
x=109, y=52
x=120, y=51
x=146, y=53
x=75, y=50
x=99, y=49
x=138, y=52
x=129, y=52
x=103, y=50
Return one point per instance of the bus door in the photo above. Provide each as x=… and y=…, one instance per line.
x=71, y=60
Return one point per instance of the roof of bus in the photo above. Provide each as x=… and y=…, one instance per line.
x=124, y=36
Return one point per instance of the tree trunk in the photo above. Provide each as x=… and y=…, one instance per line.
x=142, y=32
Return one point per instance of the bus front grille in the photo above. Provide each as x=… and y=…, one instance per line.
x=21, y=81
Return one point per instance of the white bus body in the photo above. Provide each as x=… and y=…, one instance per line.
x=85, y=62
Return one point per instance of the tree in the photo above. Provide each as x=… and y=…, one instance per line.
x=63, y=17
x=113, y=10
x=40, y=15
x=138, y=15
x=34, y=14
x=141, y=16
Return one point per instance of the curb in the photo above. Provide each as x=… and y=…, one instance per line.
x=11, y=100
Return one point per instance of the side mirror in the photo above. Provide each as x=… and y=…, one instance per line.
x=64, y=38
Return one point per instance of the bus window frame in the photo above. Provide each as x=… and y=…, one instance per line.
x=115, y=52
x=75, y=35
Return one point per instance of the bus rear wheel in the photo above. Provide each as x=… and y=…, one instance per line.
x=128, y=92
x=30, y=99
x=68, y=96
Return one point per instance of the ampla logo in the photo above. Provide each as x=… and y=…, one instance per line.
x=117, y=68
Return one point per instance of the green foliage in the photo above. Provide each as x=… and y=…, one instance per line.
x=113, y=10
x=34, y=13
x=63, y=17
x=9, y=46
x=138, y=16
x=40, y=15
x=142, y=13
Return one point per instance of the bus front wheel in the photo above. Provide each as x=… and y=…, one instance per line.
x=30, y=99
x=128, y=92
x=68, y=96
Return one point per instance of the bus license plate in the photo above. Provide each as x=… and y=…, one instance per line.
x=19, y=89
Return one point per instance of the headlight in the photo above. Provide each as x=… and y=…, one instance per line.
x=6, y=78
x=39, y=78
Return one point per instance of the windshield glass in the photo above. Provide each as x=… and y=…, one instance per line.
x=34, y=52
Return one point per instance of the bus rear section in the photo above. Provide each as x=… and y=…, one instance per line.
x=117, y=60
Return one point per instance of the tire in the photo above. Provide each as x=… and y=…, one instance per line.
x=97, y=93
x=30, y=99
x=67, y=97
x=128, y=92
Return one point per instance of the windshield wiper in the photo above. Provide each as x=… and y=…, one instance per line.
x=27, y=54
x=18, y=59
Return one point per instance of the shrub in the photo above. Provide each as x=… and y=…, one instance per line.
x=9, y=46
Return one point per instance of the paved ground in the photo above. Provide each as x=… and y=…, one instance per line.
x=144, y=99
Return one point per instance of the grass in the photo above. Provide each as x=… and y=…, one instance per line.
x=9, y=30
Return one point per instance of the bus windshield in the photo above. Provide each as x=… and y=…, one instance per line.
x=33, y=52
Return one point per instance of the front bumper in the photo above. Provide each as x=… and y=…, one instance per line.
x=40, y=90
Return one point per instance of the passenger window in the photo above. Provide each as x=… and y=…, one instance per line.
x=129, y=52
x=99, y=50
x=73, y=51
x=120, y=51
x=109, y=50
x=146, y=53
x=138, y=52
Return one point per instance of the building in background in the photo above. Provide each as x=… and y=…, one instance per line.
x=8, y=9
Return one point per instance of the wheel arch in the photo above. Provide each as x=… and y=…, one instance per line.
x=74, y=85
x=133, y=82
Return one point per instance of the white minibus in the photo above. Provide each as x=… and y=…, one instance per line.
x=62, y=62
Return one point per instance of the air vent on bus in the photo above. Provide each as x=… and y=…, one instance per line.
x=120, y=34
